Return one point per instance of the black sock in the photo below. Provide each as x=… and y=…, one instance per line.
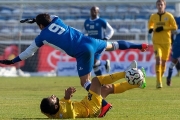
x=123, y=45
x=170, y=71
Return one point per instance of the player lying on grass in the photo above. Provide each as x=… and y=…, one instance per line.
x=90, y=106
x=57, y=34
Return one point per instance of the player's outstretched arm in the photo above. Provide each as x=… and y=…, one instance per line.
x=69, y=93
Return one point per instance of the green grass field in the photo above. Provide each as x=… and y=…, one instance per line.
x=20, y=98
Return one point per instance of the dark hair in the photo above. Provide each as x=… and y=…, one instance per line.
x=161, y=1
x=43, y=19
x=48, y=107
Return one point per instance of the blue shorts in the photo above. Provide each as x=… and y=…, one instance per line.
x=86, y=52
x=175, y=51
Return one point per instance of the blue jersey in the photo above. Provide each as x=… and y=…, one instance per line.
x=176, y=43
x=95, y=28
x=74, y=43
x=177, y=38
x=60, y=36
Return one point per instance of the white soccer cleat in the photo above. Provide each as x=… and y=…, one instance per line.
x=108, y=66
x=132, y=65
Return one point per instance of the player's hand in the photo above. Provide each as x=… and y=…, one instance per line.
x=32, y=20
x=150, y=31
x=69, y=92
x=159, y=29
x=6, y=62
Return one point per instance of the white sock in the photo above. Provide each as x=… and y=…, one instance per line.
x=87, y=84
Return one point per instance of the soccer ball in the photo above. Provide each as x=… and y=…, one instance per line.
x=134, y=76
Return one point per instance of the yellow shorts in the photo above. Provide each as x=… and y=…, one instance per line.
x=94, y=102
x=162, y=50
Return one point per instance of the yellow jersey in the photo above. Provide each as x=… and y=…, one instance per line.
x=168, y=23
x=89, y=107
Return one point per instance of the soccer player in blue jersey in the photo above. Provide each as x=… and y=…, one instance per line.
x=57, y=34
x=175, y=52
x=99, y=28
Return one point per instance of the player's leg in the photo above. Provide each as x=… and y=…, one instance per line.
x=158, y=58
x=170, y=71
x=97, y=67
x=176, y=54
x=100, y=64
x=178, y=68
x=166, y=49
x=123, y=45
x=95, y=90
x=118, y=87
x=85, y=64
x=111, y=78
x=174, y=60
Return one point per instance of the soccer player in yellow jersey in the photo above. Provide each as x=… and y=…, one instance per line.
x=90, y=106
x=161, y=24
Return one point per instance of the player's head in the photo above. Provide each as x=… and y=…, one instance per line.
x=50, y=105
x=94, y=12
x=43, y=20
x=161, y=5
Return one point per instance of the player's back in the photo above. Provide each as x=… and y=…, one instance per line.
x=60, y=36
x=95, y=28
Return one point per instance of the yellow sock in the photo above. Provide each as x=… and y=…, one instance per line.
x=158, y=73
x=163, y=68
x=123, y=86
x=110, y=78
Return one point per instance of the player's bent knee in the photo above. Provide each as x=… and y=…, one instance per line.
x=96, y=82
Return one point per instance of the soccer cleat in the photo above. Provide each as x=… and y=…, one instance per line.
x=144, y=47
x=159, y=85
x=108, y=66
x=168, y=82
x=132, y=65
x=143, y=83
x=104, y=110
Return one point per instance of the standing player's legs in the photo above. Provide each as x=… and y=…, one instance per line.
x=100, y=64
x=174, y=60
x=162, y=52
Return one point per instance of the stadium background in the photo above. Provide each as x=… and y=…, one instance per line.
x=128, y=18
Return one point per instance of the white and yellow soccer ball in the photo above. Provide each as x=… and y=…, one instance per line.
x=134, y=76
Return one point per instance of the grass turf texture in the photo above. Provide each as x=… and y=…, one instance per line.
x=20, y=98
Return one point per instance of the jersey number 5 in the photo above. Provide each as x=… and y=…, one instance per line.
x=56, y=28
